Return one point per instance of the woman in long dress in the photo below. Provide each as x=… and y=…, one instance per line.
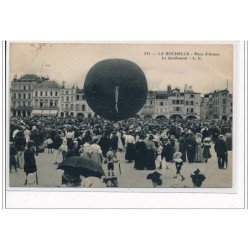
x=198, y=152
x=150, y=159
x=140, y=154
x=130, y=150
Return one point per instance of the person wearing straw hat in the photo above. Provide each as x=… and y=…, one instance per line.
x=178, y=164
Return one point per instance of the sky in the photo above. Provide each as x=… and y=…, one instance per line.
x=207, y=67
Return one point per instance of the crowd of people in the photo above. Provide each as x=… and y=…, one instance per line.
x=146, y=142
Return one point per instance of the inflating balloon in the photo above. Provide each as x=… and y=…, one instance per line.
x=115, y=89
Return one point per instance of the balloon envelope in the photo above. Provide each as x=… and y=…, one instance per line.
x=115, y=89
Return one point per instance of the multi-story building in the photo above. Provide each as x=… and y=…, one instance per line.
x=218, y=105
x=172, y=104
x=73, y=103
x=46, y=96
x=21, y=94
x=82, y=109
x=67, y=101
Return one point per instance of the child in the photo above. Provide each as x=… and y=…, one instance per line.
x=49, y=143
x=178, y=164
x=206, y=149
x=155, y=177
x=110, y=161
x=197, y=178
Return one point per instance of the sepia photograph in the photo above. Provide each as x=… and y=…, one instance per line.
x=120, y=115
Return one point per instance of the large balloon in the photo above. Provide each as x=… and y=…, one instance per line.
x=115, y=89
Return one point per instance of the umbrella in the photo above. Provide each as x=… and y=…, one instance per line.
x=82, y=166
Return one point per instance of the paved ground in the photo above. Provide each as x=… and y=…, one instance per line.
x=49, y=176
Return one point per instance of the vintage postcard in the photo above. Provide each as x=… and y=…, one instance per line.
x=120, y=115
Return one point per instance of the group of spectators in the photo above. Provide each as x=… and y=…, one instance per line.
x=146, y=142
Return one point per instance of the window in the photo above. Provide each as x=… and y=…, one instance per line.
x=41, y=93
x=41, y=103
x=51, y=103
x=67, y=92
x=14, y=104
x=29, y=104
x=83, y=107
x=24, y=104
x=36, y=103
x=56, y=103
x=46, y=103
x=77, y=107
x=19, y=104
x=224, y=101
x=29, y=96
x=83, y=97
x=46, y=93
x=72, y=98
x=173, y=101
x=19, y=96
x=14, y=96
x=224, y=110
x=192, y=103
x=161, y=103
x=77, y=97
x=66, y=107
x=191, y=110
x=151, y=102
x=62, y=98
x=67, y=98
x=71, y=106
x=51, y=93
x=36, y=93
x=29, y=87
x=24, y=96
x=56, y=93
x=177, y=101
x=186, y=102
x=191, y=96
x=177, y=109
x=182, y=101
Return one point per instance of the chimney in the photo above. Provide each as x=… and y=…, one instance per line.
x=63, y=84
x=190, y=89
x=185, y=88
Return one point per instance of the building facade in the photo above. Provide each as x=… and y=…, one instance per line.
x=82, y=109
x=67, y=101
x=218, y=105
x=46, y=96
x=173, y=104
x=21, y=94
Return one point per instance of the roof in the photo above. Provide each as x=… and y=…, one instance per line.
x=30, y=77
x=48, y=85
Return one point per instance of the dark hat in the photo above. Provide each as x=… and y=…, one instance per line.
x=30, y=144
x=197, y=171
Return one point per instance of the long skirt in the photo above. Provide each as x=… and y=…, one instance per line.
x=130, y=152
x=198, y=154
x=150, y=163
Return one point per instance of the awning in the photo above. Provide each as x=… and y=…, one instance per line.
x=53, y=112
x=46, y=112
x=36, y=112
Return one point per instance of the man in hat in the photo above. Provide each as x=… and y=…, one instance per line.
x=220, y=148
